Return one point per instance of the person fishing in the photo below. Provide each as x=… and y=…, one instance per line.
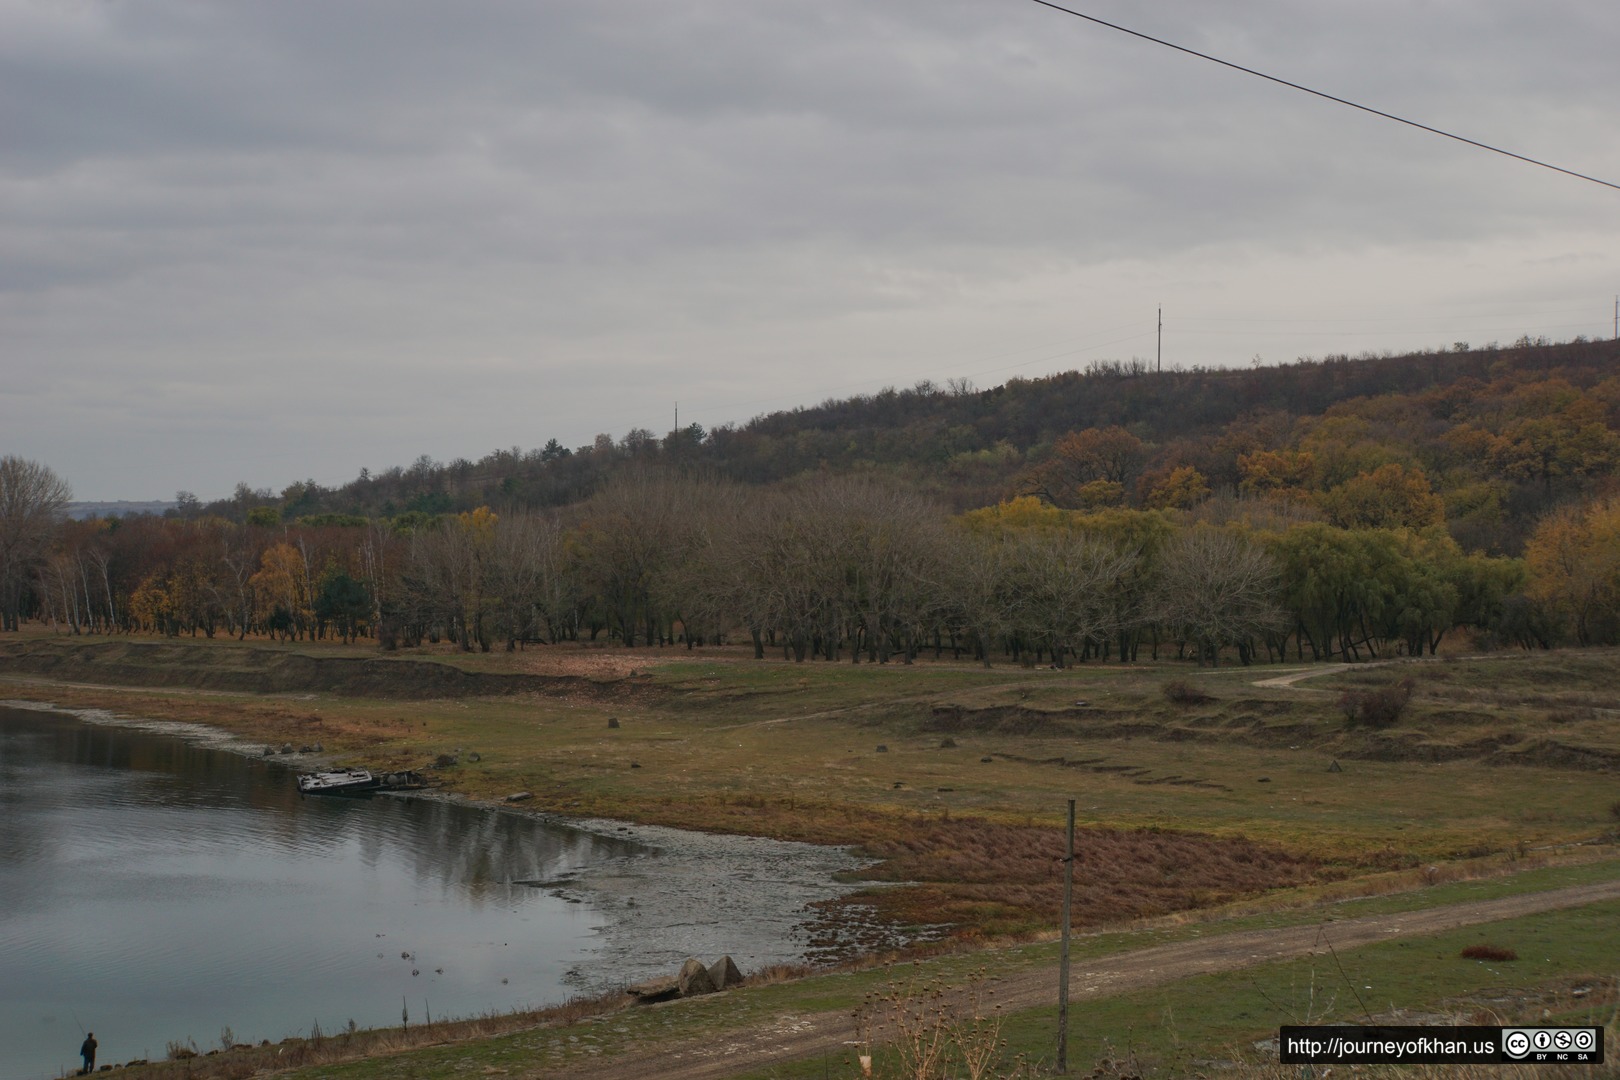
x=88, y=1052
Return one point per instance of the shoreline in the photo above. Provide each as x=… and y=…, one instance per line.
x=677, y=897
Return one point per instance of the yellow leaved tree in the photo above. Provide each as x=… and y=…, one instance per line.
x=283, y=592
x=1573, y=560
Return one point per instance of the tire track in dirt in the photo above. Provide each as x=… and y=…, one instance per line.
x=797, y=1037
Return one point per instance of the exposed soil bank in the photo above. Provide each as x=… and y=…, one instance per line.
x=267, y=671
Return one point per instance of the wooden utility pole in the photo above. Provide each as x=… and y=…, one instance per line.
x=1159, y=365
x=1063, y=955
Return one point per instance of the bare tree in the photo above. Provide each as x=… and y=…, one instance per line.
x=632, y=533
x=973, y=596
x=1068, y=589
x=32, y=499
x=893, y=543
x=788, y=580
x=704, y=587
x=524, y=577
x=1219, y=588
x=444, y=579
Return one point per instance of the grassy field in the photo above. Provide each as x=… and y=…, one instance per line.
x=1251, y=794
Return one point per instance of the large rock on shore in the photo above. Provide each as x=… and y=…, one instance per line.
x=694, y=979
x=724, y=974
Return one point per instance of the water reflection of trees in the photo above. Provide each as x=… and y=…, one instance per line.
x=455, y=845
x=439, y=843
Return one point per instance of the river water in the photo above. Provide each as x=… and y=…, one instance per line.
x=159, y=891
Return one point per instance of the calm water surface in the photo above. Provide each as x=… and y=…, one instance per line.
x=155, y=890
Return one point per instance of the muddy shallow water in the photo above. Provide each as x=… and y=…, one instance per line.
x=160, y=883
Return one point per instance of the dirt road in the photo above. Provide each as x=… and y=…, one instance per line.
x=790, y=1038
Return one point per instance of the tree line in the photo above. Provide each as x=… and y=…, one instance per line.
x=849, y=567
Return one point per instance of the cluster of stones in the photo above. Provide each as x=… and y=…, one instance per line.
x=694, y=979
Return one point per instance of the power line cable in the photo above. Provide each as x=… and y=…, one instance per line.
x=1321, y=94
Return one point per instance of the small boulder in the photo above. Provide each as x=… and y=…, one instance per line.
x=652, y=990
x=613, y=721
x=724, y=974
x=694, y=979
x=519, y=796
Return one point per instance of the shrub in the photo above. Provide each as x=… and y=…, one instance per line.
x=1182, y=692
x=1376, y=708
x=1488, y=952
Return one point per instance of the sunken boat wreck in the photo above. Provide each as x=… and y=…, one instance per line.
x=356, y=781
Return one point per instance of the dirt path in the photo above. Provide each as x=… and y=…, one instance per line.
x=791, y=1038
x=1287, y=681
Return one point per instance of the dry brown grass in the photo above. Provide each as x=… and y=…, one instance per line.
x=1006, y=879
x=932, y=1029
x=240, y=1062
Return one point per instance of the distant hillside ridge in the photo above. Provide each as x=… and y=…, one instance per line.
x=963, y=446
x=83, y=511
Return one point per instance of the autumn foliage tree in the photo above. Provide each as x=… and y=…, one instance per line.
x=1573, y=560
x=1088, y=469
x=1392, y=496
x=283, y=591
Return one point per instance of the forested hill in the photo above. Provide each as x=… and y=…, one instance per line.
x=1343, y=507
x=1499, y=433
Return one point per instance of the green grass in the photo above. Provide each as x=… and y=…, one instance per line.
x=1181, y=1028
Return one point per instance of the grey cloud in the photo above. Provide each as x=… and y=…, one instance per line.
x=361, y=196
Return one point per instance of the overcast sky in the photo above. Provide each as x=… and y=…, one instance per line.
x=265, y=241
